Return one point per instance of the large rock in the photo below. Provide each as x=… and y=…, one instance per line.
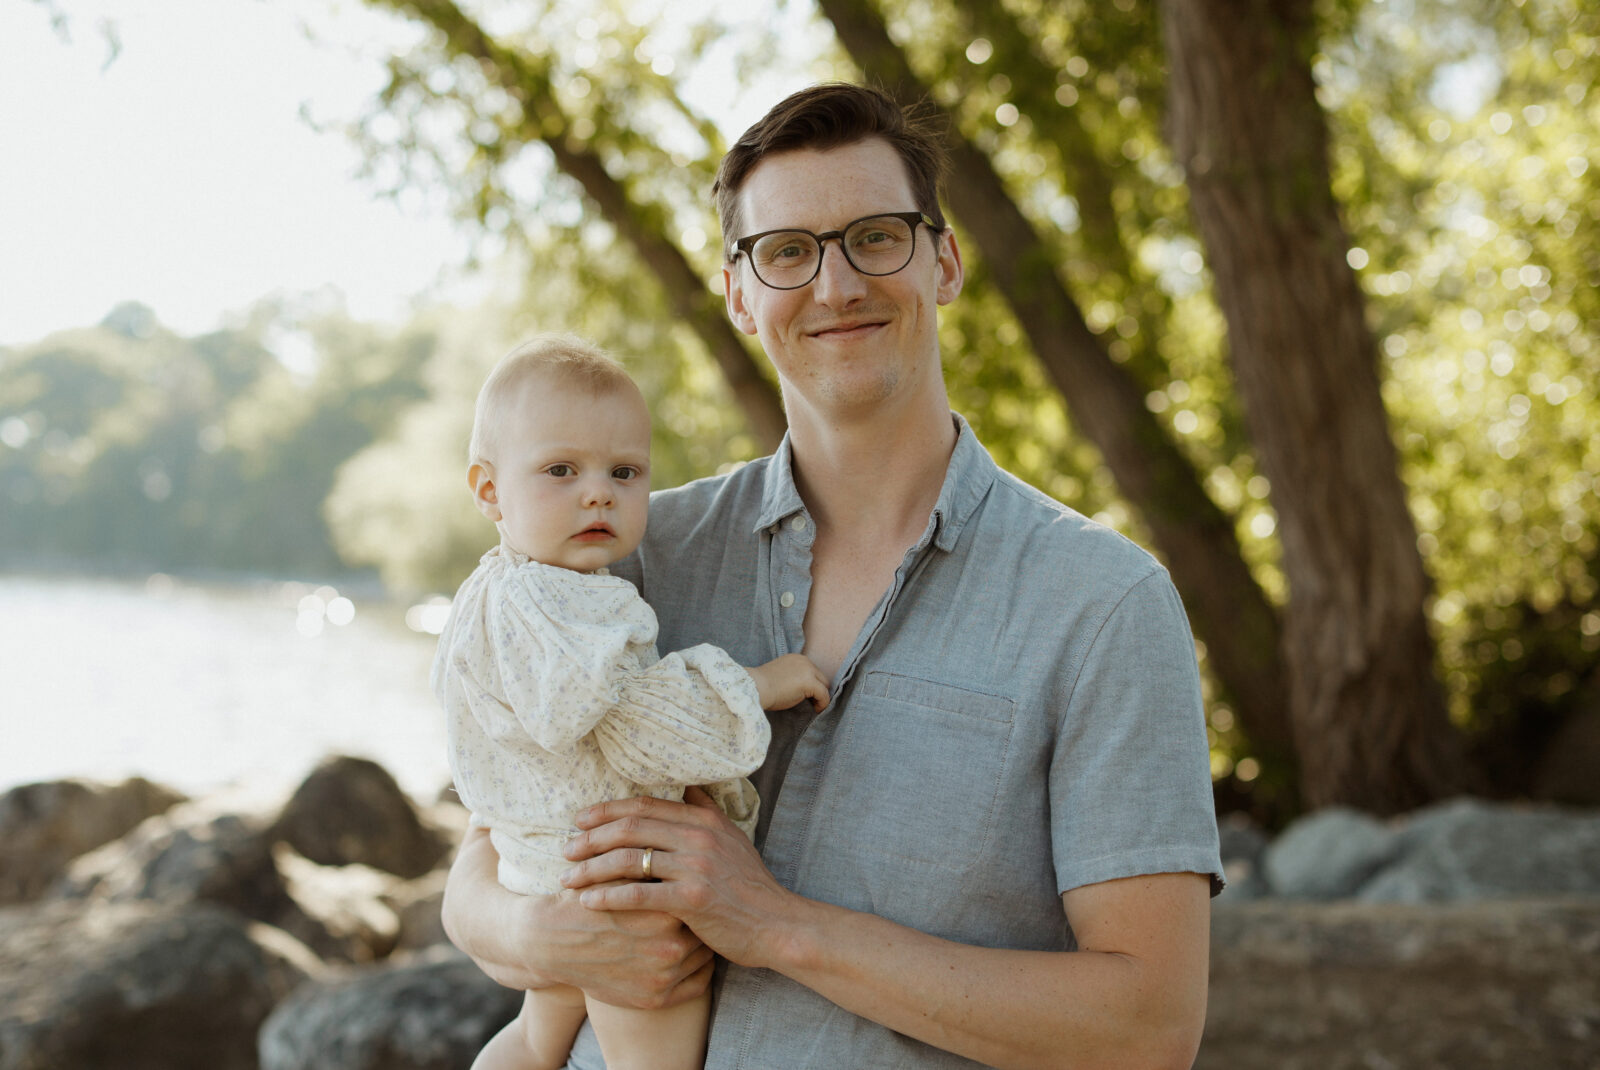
x=1467, y=849
x=1329, y=854
x=192, y=854
x=341, y=912
x=1361, y=986
x=431, y=1013
x=138, y=986
x=350, y=810
x=189, y=854
x=45, y=826
x=1243, y=844
x=419, y=906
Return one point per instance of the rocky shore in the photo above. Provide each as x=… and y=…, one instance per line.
x=142, y=930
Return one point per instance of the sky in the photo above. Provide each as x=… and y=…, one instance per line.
x=179, y=171
x=175, y=167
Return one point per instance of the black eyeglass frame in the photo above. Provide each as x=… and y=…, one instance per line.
x=742, y=245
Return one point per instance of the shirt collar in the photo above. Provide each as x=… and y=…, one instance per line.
x=966, y=482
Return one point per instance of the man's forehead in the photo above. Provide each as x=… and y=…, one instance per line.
x=824, y=188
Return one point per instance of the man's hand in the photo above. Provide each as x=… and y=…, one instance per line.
x=635, y=959
x=710, y=875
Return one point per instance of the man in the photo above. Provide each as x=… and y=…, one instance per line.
x=996, y=844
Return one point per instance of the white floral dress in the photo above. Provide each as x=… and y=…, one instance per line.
x=556, y=700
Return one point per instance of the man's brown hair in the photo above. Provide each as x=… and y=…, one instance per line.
x=827, y=116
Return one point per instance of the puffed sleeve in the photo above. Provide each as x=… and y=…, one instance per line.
x=559, y=650
x=693, y=717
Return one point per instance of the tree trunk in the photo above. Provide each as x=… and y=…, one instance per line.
x=521, y=76
x=1367, y=710
x=1228, y=608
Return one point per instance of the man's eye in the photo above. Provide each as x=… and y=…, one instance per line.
x=780, y=252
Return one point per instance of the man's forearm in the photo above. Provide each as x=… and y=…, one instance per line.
x=484, y=920
x=534, y=941
x=1003, y=1008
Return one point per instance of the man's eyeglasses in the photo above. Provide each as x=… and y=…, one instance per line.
x=874, y=245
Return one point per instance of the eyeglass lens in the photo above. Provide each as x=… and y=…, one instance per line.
x=879, y=245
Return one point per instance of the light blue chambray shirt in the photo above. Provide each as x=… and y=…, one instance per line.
x=1019, y=716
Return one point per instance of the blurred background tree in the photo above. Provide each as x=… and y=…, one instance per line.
x=1443, y=149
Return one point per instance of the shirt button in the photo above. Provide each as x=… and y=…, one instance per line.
x=786, y=599
x=602, y=571
x=798, y=523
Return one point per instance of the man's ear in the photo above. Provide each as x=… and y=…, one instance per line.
x=951, y=273
x=480, y=477
x=733, y=293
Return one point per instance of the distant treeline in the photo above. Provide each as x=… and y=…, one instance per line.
x=126, y=445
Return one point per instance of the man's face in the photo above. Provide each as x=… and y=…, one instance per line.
x=569, y=482
x=846, y=343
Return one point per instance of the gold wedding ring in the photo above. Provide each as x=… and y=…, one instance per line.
x=649, y=852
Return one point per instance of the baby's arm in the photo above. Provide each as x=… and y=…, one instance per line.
x=783, y=682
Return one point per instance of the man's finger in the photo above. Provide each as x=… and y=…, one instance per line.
x=621, y=866
x=625, y=897
x=617, y=809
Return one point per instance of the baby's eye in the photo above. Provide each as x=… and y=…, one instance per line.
x=624, y=472
x=560, y=471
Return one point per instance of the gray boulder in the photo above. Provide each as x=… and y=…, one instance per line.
x=1328, y=854
x=45, y=826
x=189, y=854
x=350, y=810
x=1367, y=986
x=138, y=986
x=1243, y=844
x=192, y=854
x=419, y=904
x=1469, y=849
x=340, y=912
x=432, y=1012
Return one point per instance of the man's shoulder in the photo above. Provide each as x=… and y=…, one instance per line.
x=730, y=497
x=1057, y=535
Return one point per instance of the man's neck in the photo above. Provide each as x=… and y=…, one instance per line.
x=878, y=474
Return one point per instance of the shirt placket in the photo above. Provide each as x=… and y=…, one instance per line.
x=789, y=588
x=792, y=816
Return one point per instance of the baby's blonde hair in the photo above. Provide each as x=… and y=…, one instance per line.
x=569, y=360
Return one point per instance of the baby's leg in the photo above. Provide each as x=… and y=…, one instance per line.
x=540, y=1036
x=670, y=1039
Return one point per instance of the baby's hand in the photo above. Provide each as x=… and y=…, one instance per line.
x=783, y=682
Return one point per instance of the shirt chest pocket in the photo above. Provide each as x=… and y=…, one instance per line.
x=921, y=765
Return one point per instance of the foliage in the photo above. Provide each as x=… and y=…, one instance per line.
x=1464, y=158
x=1479, y=286
x=128, y=445
x=1471, y=175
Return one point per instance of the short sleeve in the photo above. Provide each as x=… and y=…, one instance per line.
x=1130, y=784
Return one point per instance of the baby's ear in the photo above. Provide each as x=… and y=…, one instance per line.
x=480, y=477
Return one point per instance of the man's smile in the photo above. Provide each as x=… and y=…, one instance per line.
x=846, y=329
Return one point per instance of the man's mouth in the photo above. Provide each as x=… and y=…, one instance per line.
x=845, y=327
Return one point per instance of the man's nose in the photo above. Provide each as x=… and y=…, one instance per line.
x=837, y=279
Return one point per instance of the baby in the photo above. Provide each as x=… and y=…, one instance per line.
x=548, y=672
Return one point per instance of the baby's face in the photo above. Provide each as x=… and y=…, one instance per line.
x=572, y=473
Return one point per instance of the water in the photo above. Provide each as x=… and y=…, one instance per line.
x=210, y=686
